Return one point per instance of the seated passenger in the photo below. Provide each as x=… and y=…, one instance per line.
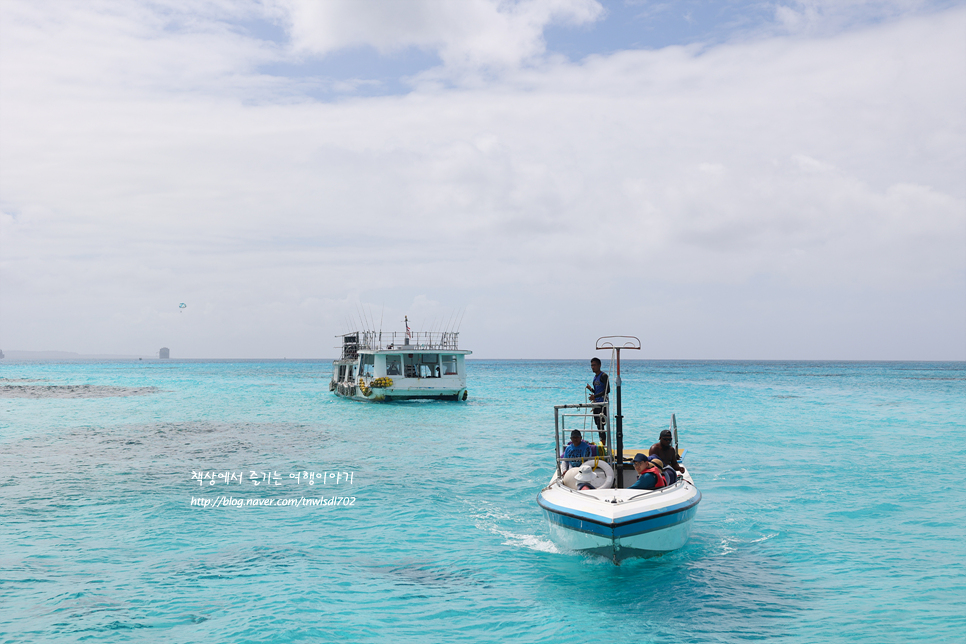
x=670, y=476
x=665, y=451
x=650, y=474
x=585, y=477
x=577, y=449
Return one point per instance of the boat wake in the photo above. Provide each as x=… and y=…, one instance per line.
x=765, y=538
x=488, y=520
x=528, y=541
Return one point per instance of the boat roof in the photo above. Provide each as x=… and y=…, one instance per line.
x=395, y=342
x=384, y=340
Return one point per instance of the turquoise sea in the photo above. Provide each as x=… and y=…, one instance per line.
x=834, y=506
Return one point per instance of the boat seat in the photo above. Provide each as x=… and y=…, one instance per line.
x=569, y=478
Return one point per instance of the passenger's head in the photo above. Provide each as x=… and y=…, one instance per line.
x=576, y=437
x=595, y=364
x=585, y=476
x=656, y=462
x=641, y=463
x=666, y=438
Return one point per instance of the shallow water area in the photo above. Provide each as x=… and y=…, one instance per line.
x=833, y=506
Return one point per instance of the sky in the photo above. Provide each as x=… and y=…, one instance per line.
x=722, y=179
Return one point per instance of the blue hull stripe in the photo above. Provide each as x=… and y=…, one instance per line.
x=624, y=527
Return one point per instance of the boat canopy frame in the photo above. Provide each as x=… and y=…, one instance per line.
x=561, y=429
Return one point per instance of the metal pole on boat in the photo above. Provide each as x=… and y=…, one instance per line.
x=620, y=425
x=556, y=438
x=674, y=429
x=618, y=342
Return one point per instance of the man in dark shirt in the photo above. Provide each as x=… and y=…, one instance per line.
x=665, y=451
x=598, y=393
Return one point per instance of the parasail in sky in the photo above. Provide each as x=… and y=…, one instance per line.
x=182, y=306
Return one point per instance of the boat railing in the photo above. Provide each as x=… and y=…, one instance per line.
x=354, y=342
x=564, y=417
x=681, y=482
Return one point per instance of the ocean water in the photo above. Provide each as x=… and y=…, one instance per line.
x=834, y=506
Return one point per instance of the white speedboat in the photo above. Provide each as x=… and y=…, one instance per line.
x=609, y=519
x=400, y=366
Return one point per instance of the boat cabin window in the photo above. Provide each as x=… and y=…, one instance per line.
x=409, y=367
x=449, y=365
x=428, y=365
x=393, y=365
x=341, y=372
x=367, y=365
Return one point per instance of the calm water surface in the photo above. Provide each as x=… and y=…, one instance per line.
x=834, y=506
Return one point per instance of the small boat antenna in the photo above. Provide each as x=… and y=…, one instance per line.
x=618, y=342
x=381, y=316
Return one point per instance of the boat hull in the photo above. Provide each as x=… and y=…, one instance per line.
x=649, y=526
x=399, y=394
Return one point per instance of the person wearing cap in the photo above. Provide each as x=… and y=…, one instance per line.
x=598, y=393
x=577, y=449
x=665, y=451
x=649, y=472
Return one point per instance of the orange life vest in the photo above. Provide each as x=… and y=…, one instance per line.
x=657, y=474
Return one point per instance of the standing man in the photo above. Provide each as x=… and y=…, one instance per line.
x=598, y=393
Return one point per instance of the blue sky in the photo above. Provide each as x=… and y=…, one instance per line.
x=620, y=25
x=772, y=180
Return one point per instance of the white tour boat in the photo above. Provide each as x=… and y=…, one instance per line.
x=400, y=366
x=611, y=520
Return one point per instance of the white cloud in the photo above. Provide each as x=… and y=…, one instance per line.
x=815, y=17
x=753, y=192
x=466, y=34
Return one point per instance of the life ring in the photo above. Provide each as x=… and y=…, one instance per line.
x=602, y=470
